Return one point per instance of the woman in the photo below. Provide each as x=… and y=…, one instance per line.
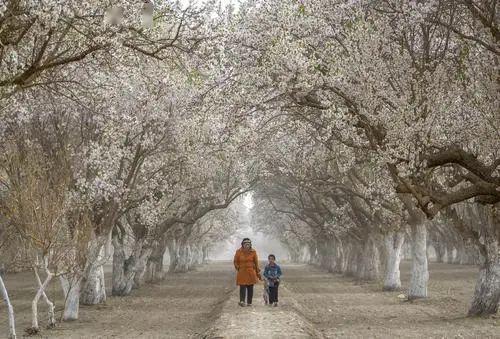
x=246, y=264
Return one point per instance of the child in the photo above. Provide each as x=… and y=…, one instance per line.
x=272, y=273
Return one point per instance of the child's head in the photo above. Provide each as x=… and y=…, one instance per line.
x=271, y=258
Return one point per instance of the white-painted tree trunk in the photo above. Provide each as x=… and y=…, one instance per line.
x=173, y=252
x=123, y=273
x=339, y=257
x=419, y=267
x=487, y=291
x=93, y=289
x=450, y=259
x=370, y=267
x=353, y=259
x=486, y=297
x=206, y=251
x=184, y=258
x=71, y=284
x=34, y=304
x=154, y=267
x=140, y=269
x=126, y=270
x=10, y=310
x=393, y=244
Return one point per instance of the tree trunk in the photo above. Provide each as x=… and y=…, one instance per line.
x=71, y=285
x=140, y=268
x=419, y=268
x=487, y=292
x=93, y=290
x=34, y=304
x=370, y=267
x=440, y=252
x=184, y=257
x=339, y=257
x=449, y=253
x=123, y=273
x=172, y=246
x=154, y=267
x=205, y=254
x=10, y=310
x=393, y=244
x=352, y=259
x=125, y=270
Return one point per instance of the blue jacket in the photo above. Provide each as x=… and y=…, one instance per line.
x=272, y=273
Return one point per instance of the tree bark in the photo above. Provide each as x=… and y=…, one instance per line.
x=370, y=267
x=339, y=257
x=34, y=304
x=352, y=259
x=206, y=251
x=487, y=291
x=184, y=258
x=172, y=246
x=71, y=285
x=419, y=268
x=154, y=267
x=10, y=310
x=440, y=252
x=93, y=289
x=140, y=269
x=125, y=270
x=393, y=244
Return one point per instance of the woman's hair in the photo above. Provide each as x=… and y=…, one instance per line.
x=246, y=240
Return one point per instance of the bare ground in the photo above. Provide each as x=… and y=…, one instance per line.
x=313, y=303
x=341, y=307
x=182, y=306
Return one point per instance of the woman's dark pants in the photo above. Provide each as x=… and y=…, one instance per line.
x=248, y=290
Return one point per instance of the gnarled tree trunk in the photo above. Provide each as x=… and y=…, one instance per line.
x=487, y=291
x=93, y=290
x=154, y=266
x=71, y=285
x=126, y=269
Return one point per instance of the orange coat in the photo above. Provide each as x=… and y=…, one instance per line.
x=246, y=263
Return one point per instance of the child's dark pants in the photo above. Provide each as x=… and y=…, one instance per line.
x=248, y=290
x=273, y=293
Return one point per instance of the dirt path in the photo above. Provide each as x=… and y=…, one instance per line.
x=261, y=321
